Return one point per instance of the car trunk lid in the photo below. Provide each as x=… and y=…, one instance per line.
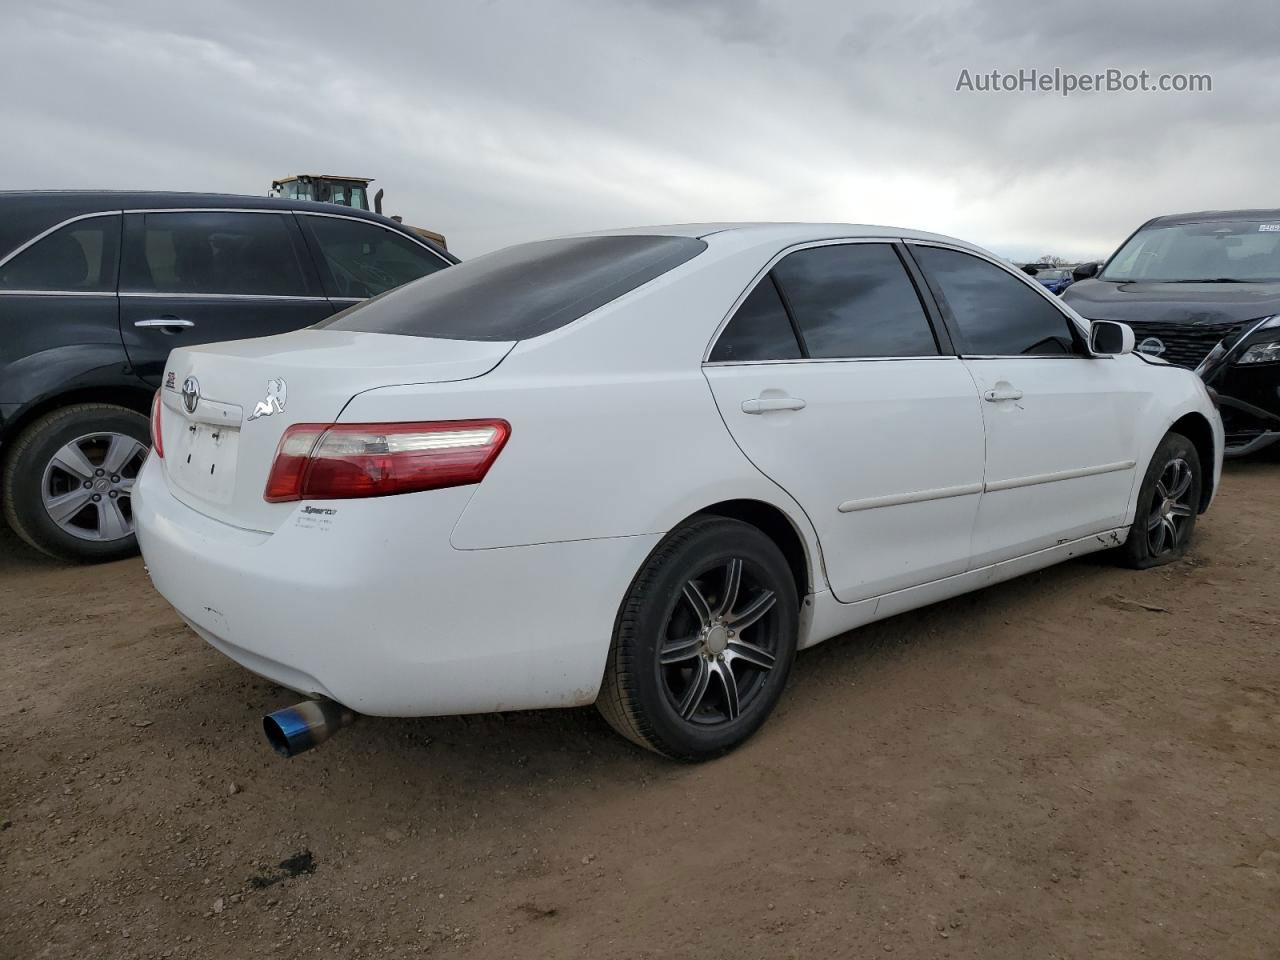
x=226, y=405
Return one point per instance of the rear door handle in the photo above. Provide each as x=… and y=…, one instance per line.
x=767, y=404
x=1002, y=393
x=171, y=323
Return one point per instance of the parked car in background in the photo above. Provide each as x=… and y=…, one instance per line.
x=642, y=468
x=1054, y=279
x=1202, y=291
x=97, y=287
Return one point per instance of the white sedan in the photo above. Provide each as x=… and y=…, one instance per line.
x=642, y=468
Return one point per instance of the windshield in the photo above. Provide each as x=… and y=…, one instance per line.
x=1243, y=251
x=1052, y=275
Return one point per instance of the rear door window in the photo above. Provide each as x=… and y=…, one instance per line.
x=216, y=252
x=80, y=257
x=759, y=330
x=855, y=300
x=521, y=291
x=365, y=259
x=995, y=313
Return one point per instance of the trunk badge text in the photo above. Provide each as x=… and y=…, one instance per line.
x=191, y=394
x=276, y=395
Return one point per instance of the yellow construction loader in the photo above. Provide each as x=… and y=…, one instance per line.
x=344, y=191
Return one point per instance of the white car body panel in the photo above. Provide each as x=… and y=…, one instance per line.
x=504, y=595
x=1049, y=466
x=337, y=605
x=884, y=452
x=322, y=369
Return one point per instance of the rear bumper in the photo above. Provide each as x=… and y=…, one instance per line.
x=370, y=606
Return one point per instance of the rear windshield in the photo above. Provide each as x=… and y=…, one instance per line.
x=520, y=292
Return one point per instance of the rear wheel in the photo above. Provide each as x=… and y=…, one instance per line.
x=1167, y=505
x=68, y=481
x=704, y=641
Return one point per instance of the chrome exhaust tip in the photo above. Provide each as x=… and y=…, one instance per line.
x=308, y=724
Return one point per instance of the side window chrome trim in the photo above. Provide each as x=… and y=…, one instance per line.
x=761, y=274
x=54, y=229
x=407, y=234
x=57, y=293
x=1028, y=281
x=284, y=211
x=757, y=363
x=153, y=295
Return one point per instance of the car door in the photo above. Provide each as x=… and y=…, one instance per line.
x=1060, y=423
x=838, y=385
x=200, y=276
x=362, y=258
x=58, y=310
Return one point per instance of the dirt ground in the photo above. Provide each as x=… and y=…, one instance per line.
x=1081, y=763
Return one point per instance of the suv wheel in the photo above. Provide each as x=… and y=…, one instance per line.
x=704, y=641
x=68, y=481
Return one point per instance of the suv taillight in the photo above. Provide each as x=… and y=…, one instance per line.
x=338, y=461
x=157, y=441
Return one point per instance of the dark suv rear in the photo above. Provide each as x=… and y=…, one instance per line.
x=96, y=288
x=1202, y=290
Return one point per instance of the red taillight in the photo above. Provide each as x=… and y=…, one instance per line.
x=320, y=461
x=157, y=441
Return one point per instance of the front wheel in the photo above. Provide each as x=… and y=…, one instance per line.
x=1167, y=505
x=704, y=641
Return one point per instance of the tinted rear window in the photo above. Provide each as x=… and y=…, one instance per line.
x=520, y=292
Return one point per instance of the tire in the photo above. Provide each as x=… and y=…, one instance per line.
x=685, y=708
x=1167, y=505
x=43, y=474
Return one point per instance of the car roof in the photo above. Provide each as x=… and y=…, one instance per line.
x=1208, y=216
x=26, y=213
x=780, y=231
x=785, y=233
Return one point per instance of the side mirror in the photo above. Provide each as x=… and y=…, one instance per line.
x=1110, y=339
x=1086, y=270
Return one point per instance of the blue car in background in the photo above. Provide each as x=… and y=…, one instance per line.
x=1054, y=279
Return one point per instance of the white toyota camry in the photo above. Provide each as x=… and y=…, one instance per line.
x=642, y=468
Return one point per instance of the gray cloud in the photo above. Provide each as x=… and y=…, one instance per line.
x=498, y=122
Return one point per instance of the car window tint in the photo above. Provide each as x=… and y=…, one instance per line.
x=215, y=252
x=366, y=259
x=996, y=313
x=855, y=300
x=81, y=256
x=759, y=329
x=522, y=291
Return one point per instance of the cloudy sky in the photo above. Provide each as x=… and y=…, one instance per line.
x=496, y=122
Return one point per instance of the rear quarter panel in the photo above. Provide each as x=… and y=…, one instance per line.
x=615, y=432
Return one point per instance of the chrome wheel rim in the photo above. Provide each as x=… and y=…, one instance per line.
x=719, y=645
x=1171, y=508
x=87, y=487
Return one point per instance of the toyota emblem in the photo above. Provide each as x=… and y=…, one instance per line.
x=190, y=394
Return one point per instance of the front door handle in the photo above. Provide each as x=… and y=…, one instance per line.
x=767, y=404
x=1002, y=393
x=165, y=323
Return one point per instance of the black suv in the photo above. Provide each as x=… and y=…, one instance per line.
x=96, y=288
x=1202, y=290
